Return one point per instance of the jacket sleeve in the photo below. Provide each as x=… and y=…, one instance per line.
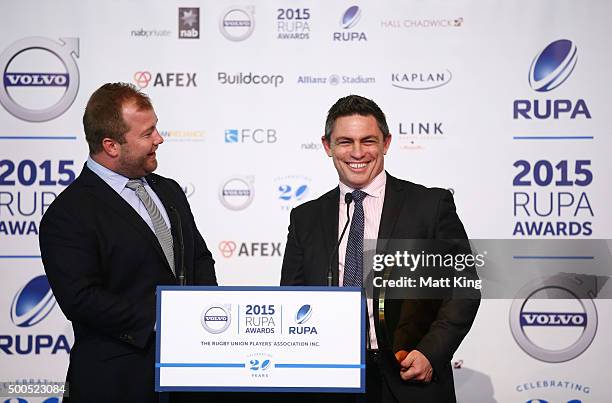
x=292, y=272
x=70, y=256
x=455, y=315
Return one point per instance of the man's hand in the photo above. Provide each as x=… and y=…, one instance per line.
x=415, y=366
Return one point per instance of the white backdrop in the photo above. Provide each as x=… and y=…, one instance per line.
x=446, y=73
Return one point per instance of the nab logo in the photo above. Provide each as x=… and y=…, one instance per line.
x=302, y=316
x=551, y=68
x=32, y=304
x=349, y=19
x=189, y=23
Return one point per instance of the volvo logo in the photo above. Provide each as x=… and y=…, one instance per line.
x=554, y=320
x=56, y=90
x=216, y=319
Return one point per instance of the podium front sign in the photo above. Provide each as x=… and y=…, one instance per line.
x=285, y=339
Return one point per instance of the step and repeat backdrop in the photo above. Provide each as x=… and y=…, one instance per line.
x=504, y=103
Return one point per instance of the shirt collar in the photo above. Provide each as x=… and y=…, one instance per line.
x=373, y=189
x=112, y=178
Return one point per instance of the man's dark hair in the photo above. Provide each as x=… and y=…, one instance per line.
x=103, y=115
x=355, y=105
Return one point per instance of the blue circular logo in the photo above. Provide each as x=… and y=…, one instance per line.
x=32, y=303
x=552, y=66
x=351, y=17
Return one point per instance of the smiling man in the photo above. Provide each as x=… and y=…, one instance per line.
x=383, y=207
x=108, y=240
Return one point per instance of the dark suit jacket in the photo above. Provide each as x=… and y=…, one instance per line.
x=434, y=327
x=103, y=263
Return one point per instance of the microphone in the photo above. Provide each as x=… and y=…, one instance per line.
x=180, y=270
x=348, y=199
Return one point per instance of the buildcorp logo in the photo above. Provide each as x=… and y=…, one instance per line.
x=40, y=78
x=554, y=320
x=550, y=68
x=249, y=78
x=31, y=305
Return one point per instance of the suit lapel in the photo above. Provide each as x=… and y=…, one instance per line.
x=114, y=201
x=395, y=196
x=329, y=222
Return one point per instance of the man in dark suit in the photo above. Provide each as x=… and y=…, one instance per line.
x=357, y=138
x=109, y=239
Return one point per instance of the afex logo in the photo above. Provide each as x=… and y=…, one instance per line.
x=31, y=305
x=551, y=68
x=230, y=249
x=258, y=136
x=143, y=78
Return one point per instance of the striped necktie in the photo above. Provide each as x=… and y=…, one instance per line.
x=353, y=261
x=162, y=232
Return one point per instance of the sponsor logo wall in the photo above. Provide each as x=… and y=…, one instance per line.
x=509, y=110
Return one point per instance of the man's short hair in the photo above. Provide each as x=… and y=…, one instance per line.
x=355, y=105
x=103, y=115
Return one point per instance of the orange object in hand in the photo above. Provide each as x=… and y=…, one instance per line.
x=400, y=355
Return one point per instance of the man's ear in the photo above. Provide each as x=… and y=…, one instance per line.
x=110, y=147
x=326, y=146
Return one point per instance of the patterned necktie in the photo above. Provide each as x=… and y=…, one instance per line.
x=353, y=261
x=162, y=232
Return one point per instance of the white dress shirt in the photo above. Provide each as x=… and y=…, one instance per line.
x=372, y=211
x=118, y=182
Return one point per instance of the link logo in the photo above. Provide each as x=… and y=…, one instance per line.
x=32, y=63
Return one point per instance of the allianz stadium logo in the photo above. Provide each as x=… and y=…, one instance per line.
x=40, y=78
x=553, y=65
x=32, y=303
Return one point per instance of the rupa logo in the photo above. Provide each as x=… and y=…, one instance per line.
x=348, y=21
x=303, y=316
x=549, y=69
x=31, y=305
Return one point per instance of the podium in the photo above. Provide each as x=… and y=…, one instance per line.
x=268, y=339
